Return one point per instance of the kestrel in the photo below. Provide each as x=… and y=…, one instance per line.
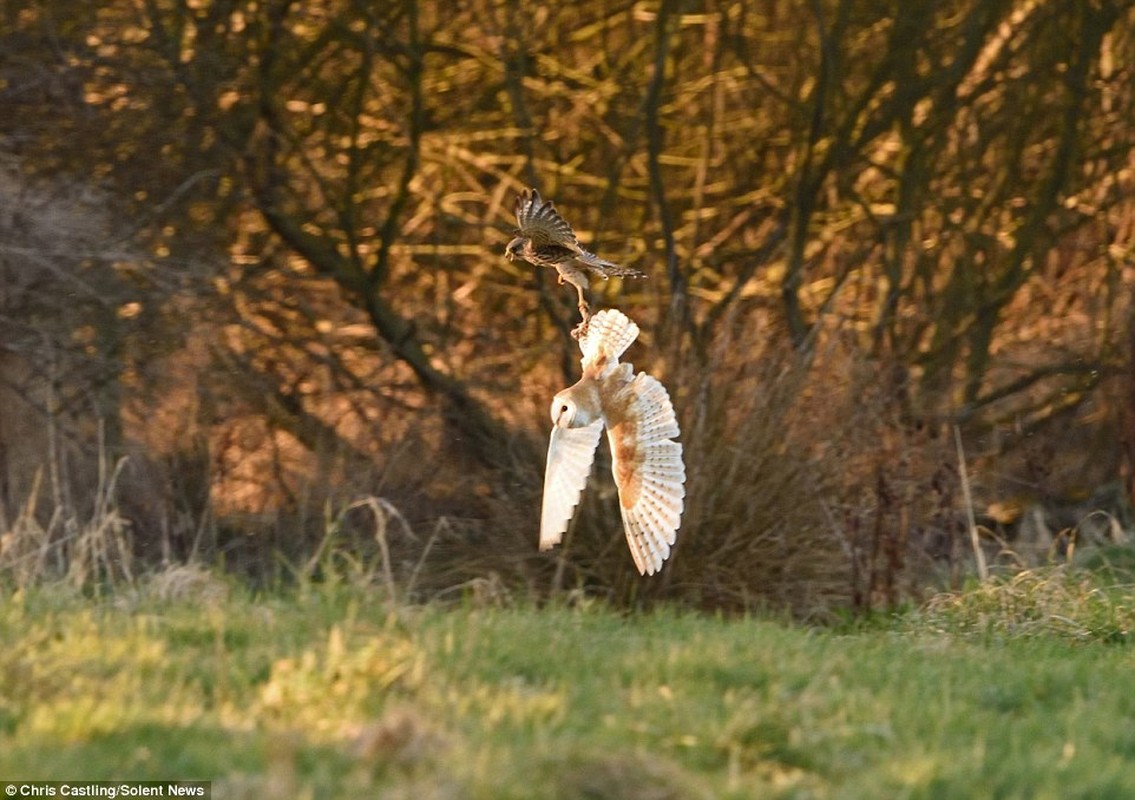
x=641, y=426
x=546, y=239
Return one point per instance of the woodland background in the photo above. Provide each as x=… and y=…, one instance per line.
x=254, y=309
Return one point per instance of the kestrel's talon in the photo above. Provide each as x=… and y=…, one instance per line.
x=584, y=312
x=641, y=428
x=580, y=330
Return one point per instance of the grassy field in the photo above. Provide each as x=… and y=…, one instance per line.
x=330, y=692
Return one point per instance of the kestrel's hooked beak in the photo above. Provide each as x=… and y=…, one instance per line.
x=512, y=251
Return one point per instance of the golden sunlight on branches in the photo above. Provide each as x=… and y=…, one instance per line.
x=256, y=249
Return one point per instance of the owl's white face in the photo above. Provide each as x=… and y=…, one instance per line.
x=567, y=413
x=563, y=410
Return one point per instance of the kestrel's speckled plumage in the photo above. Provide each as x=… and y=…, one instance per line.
x=546, y=239
x=646, y=462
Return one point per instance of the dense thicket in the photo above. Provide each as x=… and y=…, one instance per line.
x=255, y=246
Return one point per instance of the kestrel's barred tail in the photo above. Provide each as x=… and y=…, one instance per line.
x=615, y=271
x=605, y=268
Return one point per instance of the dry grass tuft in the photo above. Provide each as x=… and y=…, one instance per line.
x=1055, y=601
x=82, y=549
x=634, y=777
x=755, y=532
x=185, y=582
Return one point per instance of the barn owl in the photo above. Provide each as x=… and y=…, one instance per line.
x=546, y=239
x=641, y=427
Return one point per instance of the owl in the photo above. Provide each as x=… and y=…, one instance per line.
x=546, y=239
x=641, y=428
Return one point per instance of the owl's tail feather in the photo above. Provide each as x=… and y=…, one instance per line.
x=609, y=333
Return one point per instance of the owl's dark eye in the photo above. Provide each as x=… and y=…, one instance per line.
x=562, y=413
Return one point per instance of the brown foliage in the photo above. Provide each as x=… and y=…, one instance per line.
x=863, y=224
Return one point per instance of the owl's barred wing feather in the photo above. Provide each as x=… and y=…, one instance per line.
x=570, y=454
x=649, y=473
x=609, y=333
x=539, y=221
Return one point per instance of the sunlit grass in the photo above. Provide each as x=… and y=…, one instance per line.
x=328, y=691
x=1060, y=602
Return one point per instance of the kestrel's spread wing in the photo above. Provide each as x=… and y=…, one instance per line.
x=641, y=426
x=539, y=221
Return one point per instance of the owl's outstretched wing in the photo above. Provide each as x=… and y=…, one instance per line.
x=649, y=473
x=539, y=221
x=570, y=454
